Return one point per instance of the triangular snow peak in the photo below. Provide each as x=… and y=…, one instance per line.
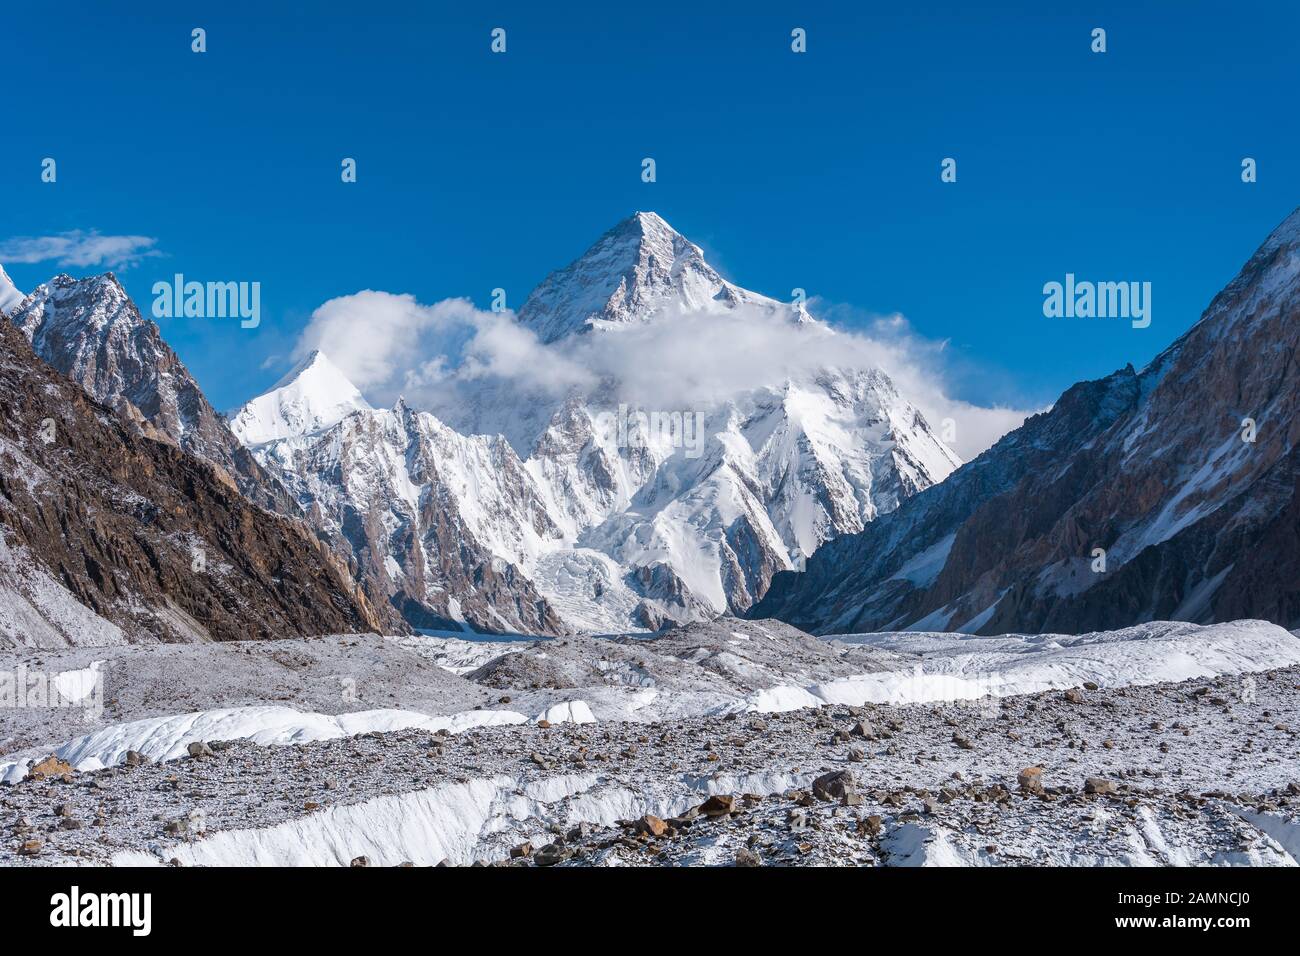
x=9, y=294
x=313, y=396
x=640, y=268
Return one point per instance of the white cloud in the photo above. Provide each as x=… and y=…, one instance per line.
x=390, y=344
x=386, y=343
x=81, y=249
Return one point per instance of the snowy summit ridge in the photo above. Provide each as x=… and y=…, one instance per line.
x=634, y=271
x=314, y=395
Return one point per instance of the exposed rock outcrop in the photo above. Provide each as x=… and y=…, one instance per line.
x=1169, y=494
x=147, y=536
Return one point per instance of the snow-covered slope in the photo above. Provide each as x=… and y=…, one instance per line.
x=311, y=398
x=37, y=611
x=441, y=524
x=612, y=530
x=780, y=471
x=9, y=294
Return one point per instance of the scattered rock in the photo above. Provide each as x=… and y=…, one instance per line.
x=551, y=854
x=650, y=825
x=1030, y=780
x=834, y=785
x=50, y=767
x=718, y=805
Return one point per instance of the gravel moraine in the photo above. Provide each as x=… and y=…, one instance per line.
x=1180, y=773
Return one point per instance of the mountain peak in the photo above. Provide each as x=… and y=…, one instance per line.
x=638, y=269
x=9, y=294
x=66, y=310
x=315, y=364
x=646, y=223
x=313, y=396
x=71, y=309
x=90, y=330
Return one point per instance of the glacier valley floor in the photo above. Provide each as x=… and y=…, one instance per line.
x=733, y=742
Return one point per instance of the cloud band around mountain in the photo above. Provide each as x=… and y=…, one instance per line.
x=390, y=345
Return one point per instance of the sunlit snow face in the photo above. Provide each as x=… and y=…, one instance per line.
x=661, y=431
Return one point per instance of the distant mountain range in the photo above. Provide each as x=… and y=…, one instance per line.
x=1169, y=493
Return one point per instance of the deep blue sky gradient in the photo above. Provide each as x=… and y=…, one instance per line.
x=819, y=171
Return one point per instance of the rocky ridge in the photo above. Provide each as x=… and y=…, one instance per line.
x=1165, y=494
x=109, y=536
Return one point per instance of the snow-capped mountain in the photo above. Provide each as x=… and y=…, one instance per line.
x=90, y=330
x=637, y=269
x=9, y=294
x=440, y=523
x=1167, y=494
x=311, y=398
x=780, y=471
x=610, y=527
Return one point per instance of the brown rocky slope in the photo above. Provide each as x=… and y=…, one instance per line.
x=91, y=331
x=1185, y=478
x=146, y=536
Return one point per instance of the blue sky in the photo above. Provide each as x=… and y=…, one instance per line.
x=818, y=170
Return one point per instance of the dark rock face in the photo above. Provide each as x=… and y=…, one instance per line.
x=91, y=331
x=147, y=536
x=1183, y=479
